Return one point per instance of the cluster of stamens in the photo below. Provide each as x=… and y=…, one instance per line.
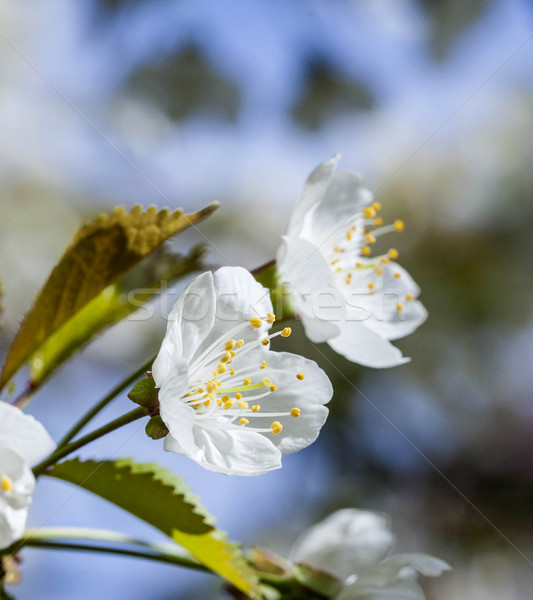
x=357, y=241
x=217, y=389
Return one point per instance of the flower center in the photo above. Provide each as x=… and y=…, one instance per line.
x=219, y=391
x=345, y=256
x=6, y=483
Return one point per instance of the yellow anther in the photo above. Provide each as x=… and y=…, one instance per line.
x=207, y=403
x=358, y=265
x=238, y=396
x=276, y=427
x=385, y=260
x=247, y=381
x=211, y=386
x=399, y=306
x=353, y=228
x=376, y=205
x=300, y=376
x=349, y=235
x=242, y=404
x=286, y=332
x=265, y=342
x=226, y=358
x=410, y=297
x=393, y=253
x=366, y=250
x=228, y=404
x=263, y=365
x=7, y=485
x=240, y=343
x=225, y=398
x=199, y=391
x=334, y=262
x=338, y=270
x=232, y=371
x=219, y=402
x=233, y=353
x=379, y=271
x=295, y=412
x=399, y=225
x=221, y=368
x=337, y=249
x=397, y=275
x=273, y=388
x=243, y=421
x=378, y=221
x=370, y=239
x=229, y=345
x=271, y=317
x=369, y=212
x=256, y=408
x=256, y=322
x=370, y=286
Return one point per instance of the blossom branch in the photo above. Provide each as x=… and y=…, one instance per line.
x=103, y=403
x=60, y=453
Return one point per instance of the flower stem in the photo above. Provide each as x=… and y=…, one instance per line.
x=103, y=403
x=63, y=451
x=155, y=555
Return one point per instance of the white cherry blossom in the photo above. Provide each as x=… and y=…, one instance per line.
x=23, y=442
x=355, y=546
x=347, y=295
x=229, y=402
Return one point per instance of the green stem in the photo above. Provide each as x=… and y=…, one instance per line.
x=170, y=559
x=103, y=403
x=59, y=453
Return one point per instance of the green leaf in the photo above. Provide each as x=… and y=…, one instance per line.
x=112, y=305
x=162, y=499
x=102, y=251
x=144, y=393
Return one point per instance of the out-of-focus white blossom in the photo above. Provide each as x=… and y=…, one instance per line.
x=355, y=546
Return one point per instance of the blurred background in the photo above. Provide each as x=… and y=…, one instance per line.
x=182, y=103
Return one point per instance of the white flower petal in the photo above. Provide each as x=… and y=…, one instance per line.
x=12, y=524
x=239, y=297
x=233, y=451
x=312, y=193
x=21, y=478
x=24, y=434
x=302, y=266
x=345, y=543
x=345, y=196
x=309, y=395
x=394, y=287
x=176, y=414
x=358, y=343
x=318, y=330
x=14, y=502
x=394, y=324
x=406, y=565
x=189, y=323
